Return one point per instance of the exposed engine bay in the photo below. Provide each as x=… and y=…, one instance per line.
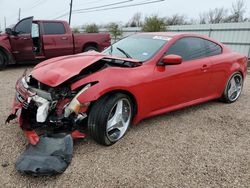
x=46, y=106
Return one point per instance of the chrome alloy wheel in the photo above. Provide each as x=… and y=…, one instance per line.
x=234, y=87
x=119, y=119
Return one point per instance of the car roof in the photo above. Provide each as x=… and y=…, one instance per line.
x=170, y=34
x=179, y=35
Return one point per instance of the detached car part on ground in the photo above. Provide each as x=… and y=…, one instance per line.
x=143, y=75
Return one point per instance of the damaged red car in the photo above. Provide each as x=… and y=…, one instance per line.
x=143, y=75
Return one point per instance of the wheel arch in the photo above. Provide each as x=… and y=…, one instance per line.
x=131, y=96
x=241, y=72
x=236, y=67
x=126, y=92
x=94, y=44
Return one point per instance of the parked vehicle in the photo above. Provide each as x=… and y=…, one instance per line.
x=138, y=77
x=35, y=40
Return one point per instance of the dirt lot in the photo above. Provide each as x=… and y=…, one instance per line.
x=207, y=145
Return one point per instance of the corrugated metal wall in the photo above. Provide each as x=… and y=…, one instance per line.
x=235, y=35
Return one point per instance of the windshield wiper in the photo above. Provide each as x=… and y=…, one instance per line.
x=111, y=50
x=125, y=53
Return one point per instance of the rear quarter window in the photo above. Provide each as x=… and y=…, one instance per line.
x=212, y=48
x=53, y=28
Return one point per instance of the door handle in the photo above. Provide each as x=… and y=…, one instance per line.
x=24, y=38
x=204, y=68
x=64, y=38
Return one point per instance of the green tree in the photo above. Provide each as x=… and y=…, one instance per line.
x=92, y=28
x=154, y=24
x=115, y=30
x=75, y=30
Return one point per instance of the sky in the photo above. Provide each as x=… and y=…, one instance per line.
x=48, y=9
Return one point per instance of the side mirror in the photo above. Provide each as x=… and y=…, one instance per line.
x=172, y=59
x=8, y=31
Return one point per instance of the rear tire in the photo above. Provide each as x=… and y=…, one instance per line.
x=233, y=88
x=90, y=48
x=109, y=118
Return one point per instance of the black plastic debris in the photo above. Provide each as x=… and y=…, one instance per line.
x=50, y=156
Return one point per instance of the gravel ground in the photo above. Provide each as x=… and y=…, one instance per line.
x=206, y=145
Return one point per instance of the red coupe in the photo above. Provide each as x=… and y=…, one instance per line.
x=140, y=76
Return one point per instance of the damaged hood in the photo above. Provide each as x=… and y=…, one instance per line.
x=55, y=71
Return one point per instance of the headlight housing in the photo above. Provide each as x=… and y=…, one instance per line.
x=75, y=105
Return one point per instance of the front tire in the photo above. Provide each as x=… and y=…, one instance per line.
x=233, y=88
x=2, y=60
x=109, y=118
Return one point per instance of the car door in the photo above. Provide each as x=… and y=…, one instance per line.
x=21, y=41
x=56, y=40
x=186, y=82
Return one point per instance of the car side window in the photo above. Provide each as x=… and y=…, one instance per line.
x=188, y=48
x=212, y=48
x=53, y=28
x=23, y=27
x=34, y=30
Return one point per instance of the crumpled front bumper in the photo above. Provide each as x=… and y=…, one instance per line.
x=20, y=100
x=21, y=96
x=26, y=95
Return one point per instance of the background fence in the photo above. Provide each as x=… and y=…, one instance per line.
x=235, y=35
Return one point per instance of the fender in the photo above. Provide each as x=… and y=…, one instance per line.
x=98, y=90
x=121, y=83
x=240, y=66
x=237, y=66
x=81, y=45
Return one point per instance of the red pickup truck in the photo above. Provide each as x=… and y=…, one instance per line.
x=36, y=40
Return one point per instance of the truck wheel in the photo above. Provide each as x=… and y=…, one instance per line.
x=90, y=48
x=2, y=60
x=109, y=118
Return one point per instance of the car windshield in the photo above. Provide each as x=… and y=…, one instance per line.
x=140, y=47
